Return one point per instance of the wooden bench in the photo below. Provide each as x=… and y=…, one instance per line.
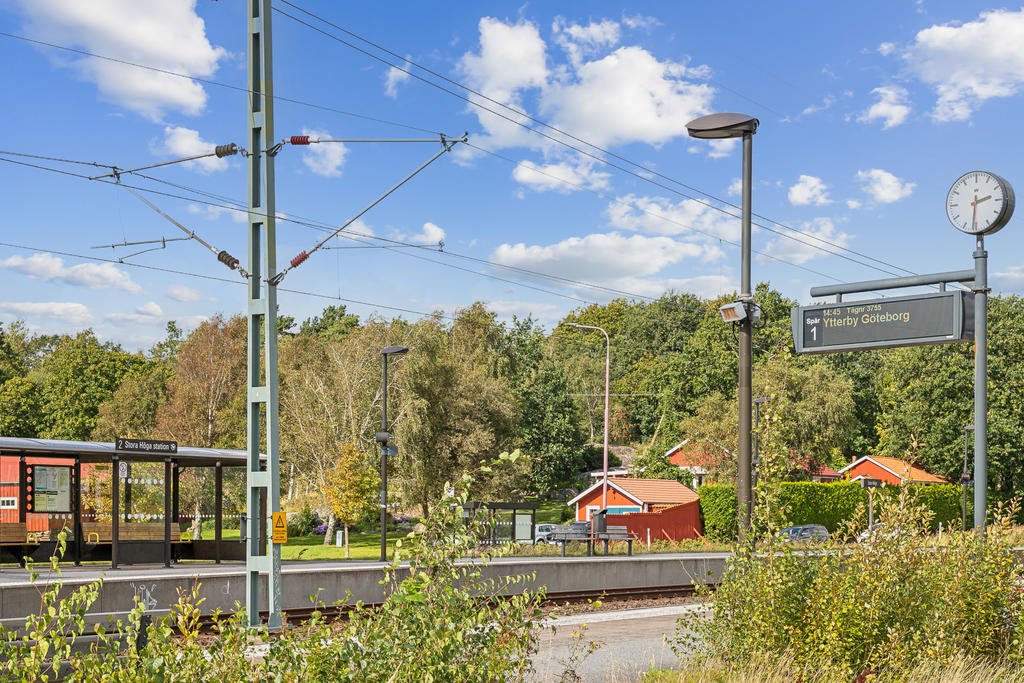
x=566, y=534
x=100, y=532
x=616, y=533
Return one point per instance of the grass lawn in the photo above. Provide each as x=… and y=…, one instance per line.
x=361, y=547
x=550, y=513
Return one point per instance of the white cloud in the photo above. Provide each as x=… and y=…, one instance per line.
x=735, y=187
x=149, y=308
x=145, y=314
x=883, y=186
x=92, y=275
x=562, y=177
x=627, y=96
x=583, y=41
x=603, y=258
x=819, y=231
x=185, y=142
x=430, y=234
x=891, y=107
x=1010, y=280
x=657, y=216
x=394, y=77
x=186, y=294
x=166, y=35
x=512, y=57
x=212, y=213
x=971, y=62
x=70, y=313
x=826, y=103
x=722, y=148
x=639, y=21
x=886, y=49
x=540, y=311
x=809, y=190
x=853, y=203
x=325, y=158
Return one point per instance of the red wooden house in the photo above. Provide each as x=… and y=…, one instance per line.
x=890, y=470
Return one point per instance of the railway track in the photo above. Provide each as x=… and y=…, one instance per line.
x=296, y=615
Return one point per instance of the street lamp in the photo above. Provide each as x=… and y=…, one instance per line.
x=717, y=127
x=607, y=375
x=756, y=460
x=964, y=476
x=385, y=450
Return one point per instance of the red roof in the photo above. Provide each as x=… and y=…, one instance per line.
x=905, y=471
x=697, y=453
x=655, y=491
x=647, y=491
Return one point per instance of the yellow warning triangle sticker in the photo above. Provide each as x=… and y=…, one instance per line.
x=279, y=521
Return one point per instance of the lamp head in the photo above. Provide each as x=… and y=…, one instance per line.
x=394, y=351
x=717, y=126
x=734, y=312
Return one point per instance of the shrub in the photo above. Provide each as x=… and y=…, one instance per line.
x=566, y=514
x=886, y=607
x=832, y=505
x=303, y=523
x=718, y=511
x=439, y=622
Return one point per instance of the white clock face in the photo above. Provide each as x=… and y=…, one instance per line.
x=979, y=203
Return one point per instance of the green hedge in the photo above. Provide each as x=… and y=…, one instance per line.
x=718, y=511
x=830, y=505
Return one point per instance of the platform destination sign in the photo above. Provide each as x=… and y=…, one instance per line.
x=939, y=318
x=148, y=446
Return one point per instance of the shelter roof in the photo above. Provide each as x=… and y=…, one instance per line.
x=101, y=451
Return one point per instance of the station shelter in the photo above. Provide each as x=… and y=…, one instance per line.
x=505, y=522
x=117, y=506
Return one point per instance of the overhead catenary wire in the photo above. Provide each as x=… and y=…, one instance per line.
x=224, y=206
x=407, y=126
x=446, y=146
x=555, y=139
x=417, y=128
x=207, y=81
x=351, y=235
x=222, y=255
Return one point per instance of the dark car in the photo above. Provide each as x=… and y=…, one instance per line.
x=805, y=533
x=580, y=527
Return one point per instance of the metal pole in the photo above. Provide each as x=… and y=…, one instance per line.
x=871, y=509
x=384, y=465
x=963, y=483
x=607, y=376
x=980, y=383
x=745, y=353
x=263, y=485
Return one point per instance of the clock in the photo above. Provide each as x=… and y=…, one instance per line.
x=979, y=203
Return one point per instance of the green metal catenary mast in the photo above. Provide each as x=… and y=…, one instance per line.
x=263, y=485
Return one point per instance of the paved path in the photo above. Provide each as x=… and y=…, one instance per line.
x=633, y=642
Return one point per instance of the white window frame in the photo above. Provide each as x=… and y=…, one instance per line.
x=8, y=503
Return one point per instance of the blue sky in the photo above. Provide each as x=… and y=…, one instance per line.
x=868, y=114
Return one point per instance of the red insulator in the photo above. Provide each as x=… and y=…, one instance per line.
x=299, y=259
x=299, y=140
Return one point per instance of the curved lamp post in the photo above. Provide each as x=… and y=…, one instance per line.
x=385, y=450
x=607, y=375
x=717, y=127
